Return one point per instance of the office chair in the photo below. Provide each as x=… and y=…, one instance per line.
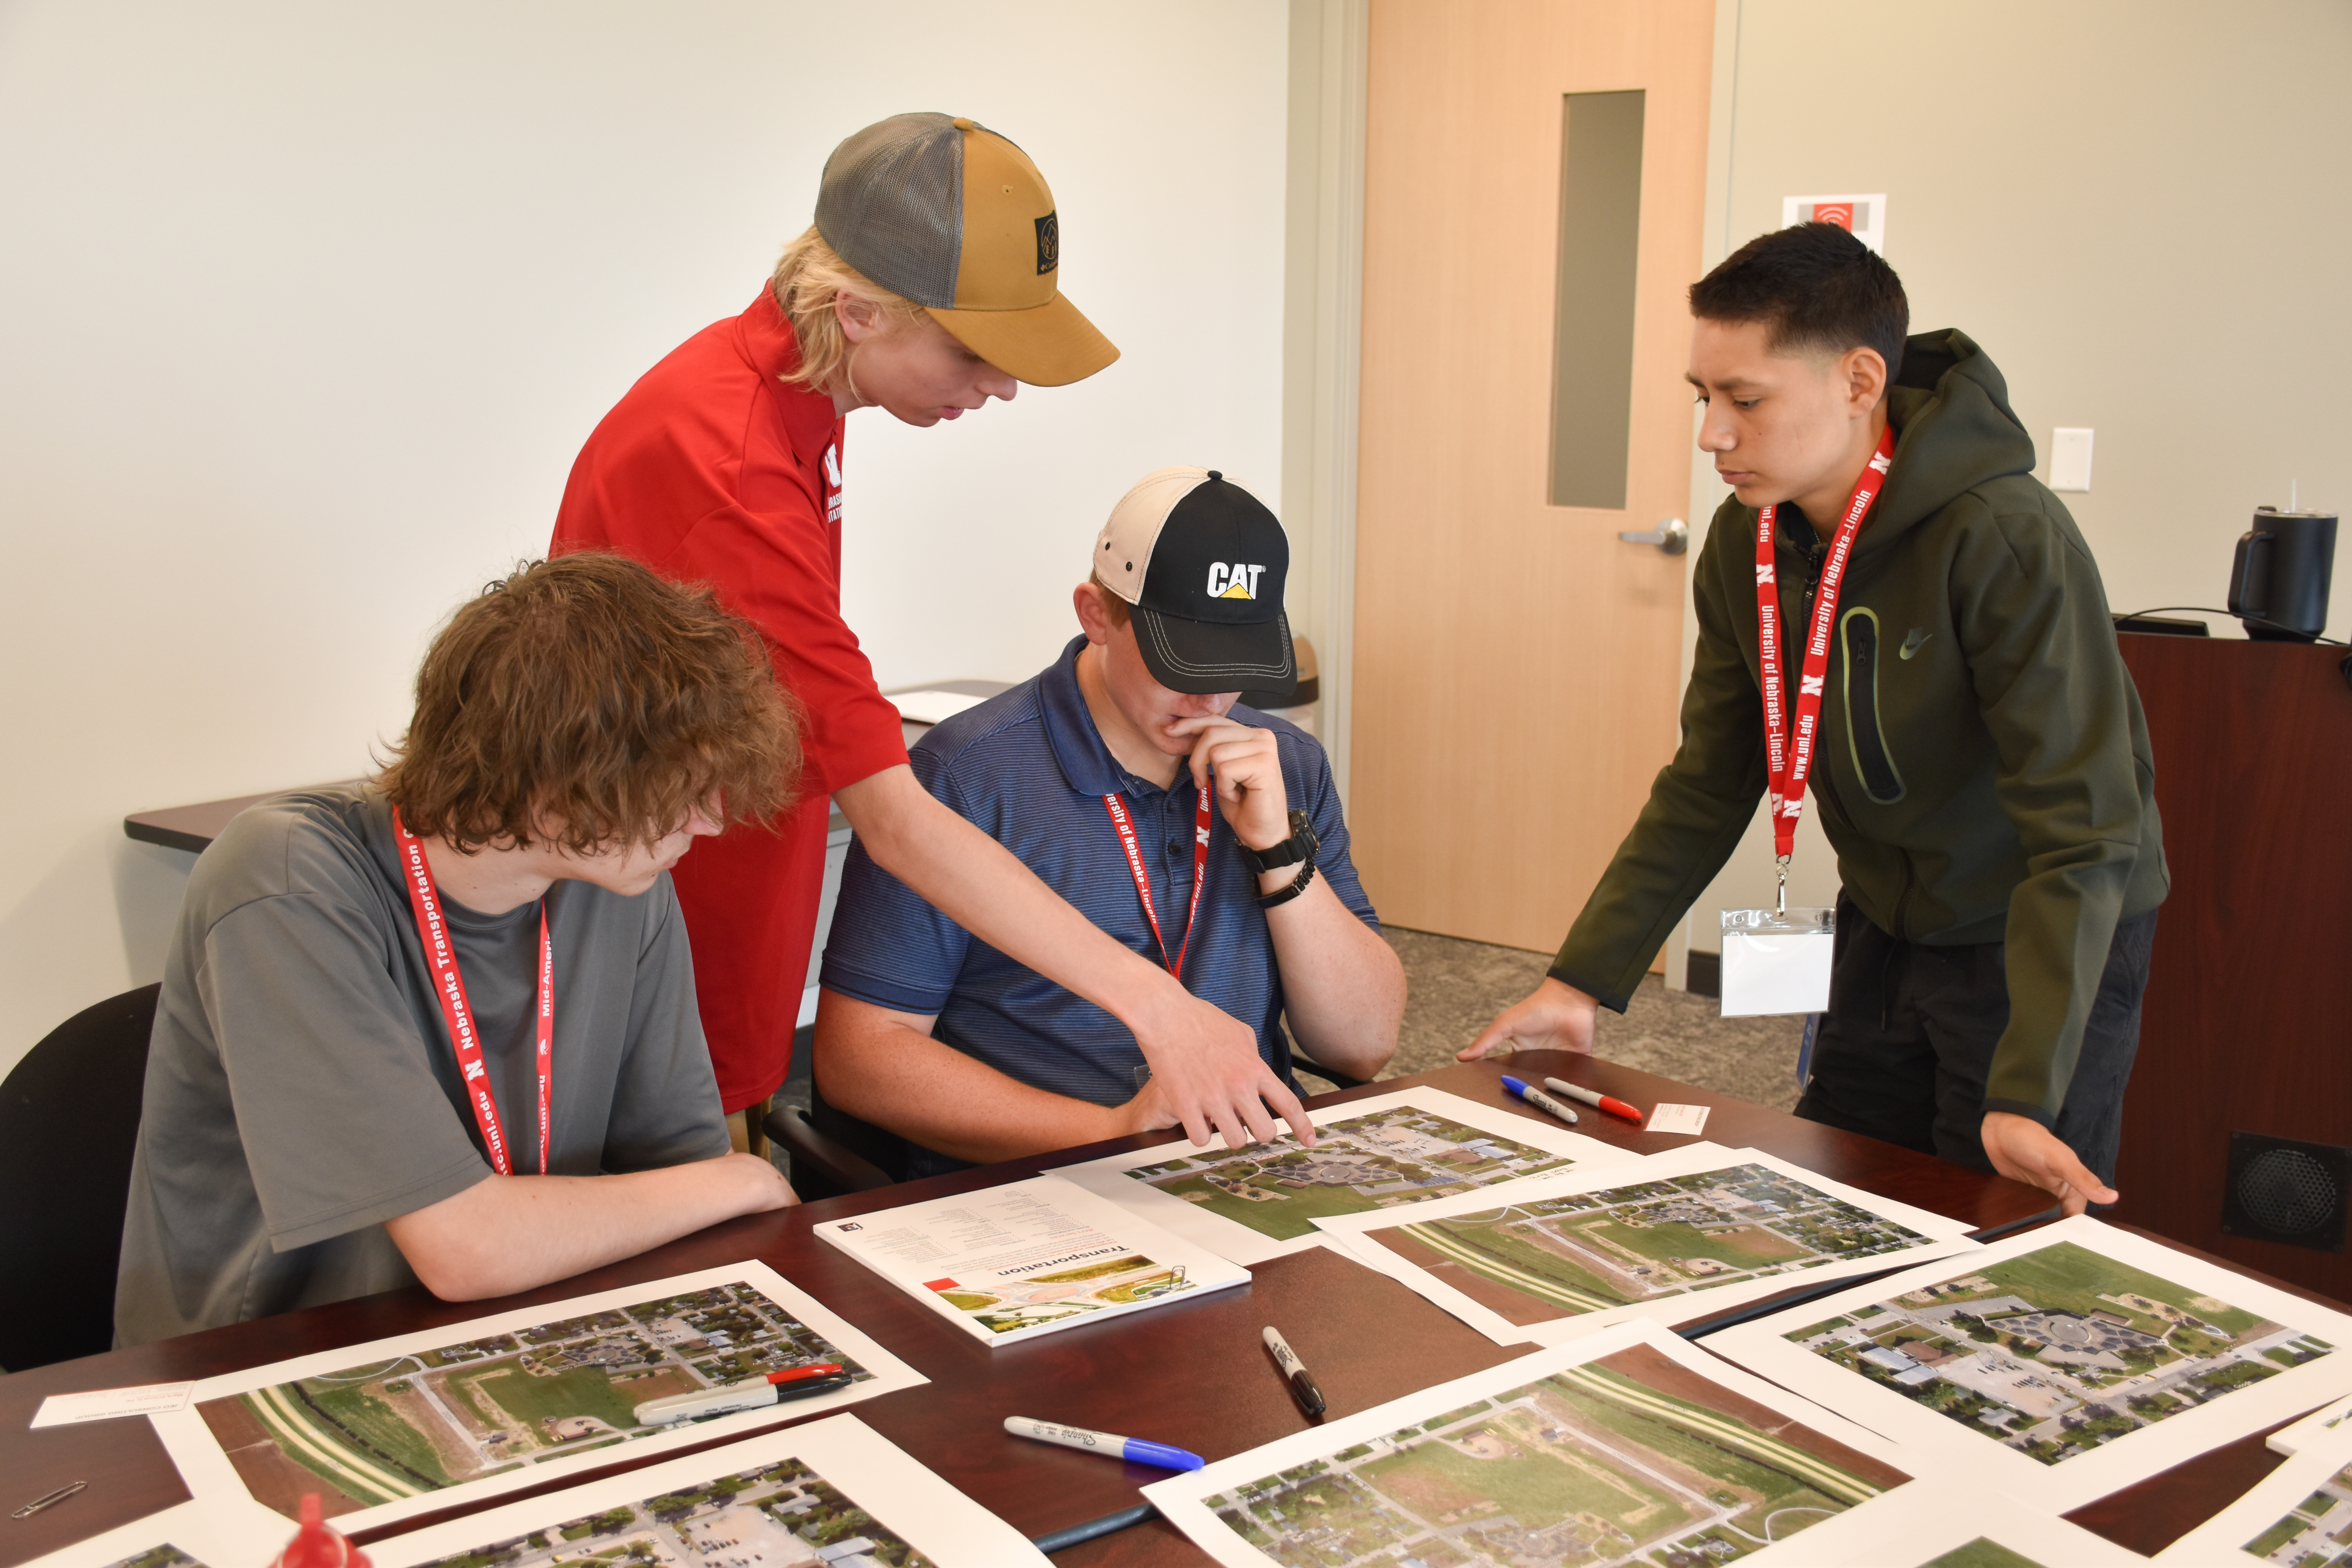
x=68, y=1125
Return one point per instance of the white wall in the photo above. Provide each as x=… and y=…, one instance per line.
x=2138, y=208
x=307, y=308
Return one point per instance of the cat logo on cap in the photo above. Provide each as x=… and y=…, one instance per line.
x=1238, y=581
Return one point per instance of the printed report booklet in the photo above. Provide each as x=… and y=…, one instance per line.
x=1014, y=1262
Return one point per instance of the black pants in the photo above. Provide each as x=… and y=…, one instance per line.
x=1909, y=1036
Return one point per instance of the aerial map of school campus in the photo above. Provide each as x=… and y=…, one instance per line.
x=1357, y=1166
x=1632, y=1459
x=2057, y=1351
x=782, y=1515
x=2316, y=1533
x=367, y=1434
x=1558, y=1257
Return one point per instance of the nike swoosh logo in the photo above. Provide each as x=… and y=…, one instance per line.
x=1915, y=642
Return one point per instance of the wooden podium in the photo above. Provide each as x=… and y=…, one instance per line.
x=2248, y=1025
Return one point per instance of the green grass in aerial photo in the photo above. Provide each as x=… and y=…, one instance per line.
x=1504, y=1250
x=1433, y=1477
x=2075, y=1279
x=382, y=1433
x=1983, y=1553
x=1745, y=1248
x=583, y=1391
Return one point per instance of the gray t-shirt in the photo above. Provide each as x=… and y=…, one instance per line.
x=302, y=1089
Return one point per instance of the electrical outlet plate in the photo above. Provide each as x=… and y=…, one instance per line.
x=2070, y=459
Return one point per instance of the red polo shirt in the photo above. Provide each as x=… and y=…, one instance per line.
x=711, y=469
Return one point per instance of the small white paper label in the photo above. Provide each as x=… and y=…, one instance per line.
x=106, y=1404
x=1690, y=1118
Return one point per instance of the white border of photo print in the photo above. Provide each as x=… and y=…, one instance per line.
x=857, y=1461
x=1940, y=1237
x=2316, y=1427
x=1107, y=1177
x=223, y=1532
x=1183, y=1499
x=207, y=1471
x=2223, y=1539
x=1917, y=1532
x=1970, y=1454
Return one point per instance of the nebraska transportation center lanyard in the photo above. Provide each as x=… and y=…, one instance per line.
x=1127, y=841
x=450, y=987
x=1790, y=766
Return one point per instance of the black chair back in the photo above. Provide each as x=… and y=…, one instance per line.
x=68, y=1125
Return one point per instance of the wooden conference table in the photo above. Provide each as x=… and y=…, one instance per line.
x=1193, y=1374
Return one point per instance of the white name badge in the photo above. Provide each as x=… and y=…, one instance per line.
x=1777, y=961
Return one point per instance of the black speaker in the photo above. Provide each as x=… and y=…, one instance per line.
x=2280, y=1190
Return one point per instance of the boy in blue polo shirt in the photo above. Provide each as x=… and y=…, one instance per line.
x=1207, y=837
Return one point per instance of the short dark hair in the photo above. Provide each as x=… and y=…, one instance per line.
x=1816, y=287
x=590, y=695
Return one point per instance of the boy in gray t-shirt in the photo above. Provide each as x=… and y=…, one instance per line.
x=307, y=1132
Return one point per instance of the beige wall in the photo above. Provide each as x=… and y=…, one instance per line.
x=307, y=308
x=2139, y=209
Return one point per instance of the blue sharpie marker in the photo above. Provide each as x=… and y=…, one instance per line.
x=1103, y=1443
x=1538, y=1099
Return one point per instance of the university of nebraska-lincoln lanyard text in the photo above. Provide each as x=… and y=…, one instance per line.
x=450, y=988
x=1789, y=760
x=1127, y=841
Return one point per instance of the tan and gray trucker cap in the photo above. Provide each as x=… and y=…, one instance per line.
x=959, y=220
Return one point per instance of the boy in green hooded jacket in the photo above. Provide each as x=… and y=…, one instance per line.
x=1982, y=763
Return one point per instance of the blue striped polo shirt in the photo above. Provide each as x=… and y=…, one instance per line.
x=1029, y=769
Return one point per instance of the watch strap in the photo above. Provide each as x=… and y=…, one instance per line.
x=1302, y=844
x=1290, y=890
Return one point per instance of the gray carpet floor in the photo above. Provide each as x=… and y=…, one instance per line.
x=1454, y=988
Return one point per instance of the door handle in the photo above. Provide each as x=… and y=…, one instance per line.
x=1670, y=536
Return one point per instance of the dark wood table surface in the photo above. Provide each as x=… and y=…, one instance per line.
x=1193, y=1374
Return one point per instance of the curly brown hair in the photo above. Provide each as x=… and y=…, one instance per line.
x=589, y=701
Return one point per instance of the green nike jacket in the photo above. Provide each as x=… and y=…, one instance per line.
x=1983, y=771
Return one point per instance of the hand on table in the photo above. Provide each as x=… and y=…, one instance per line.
x=1210, y=1078
x=1557, y=1017
x=2024, y=1150
x=1247, y=769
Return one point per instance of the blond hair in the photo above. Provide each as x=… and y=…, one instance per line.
x=810, y=276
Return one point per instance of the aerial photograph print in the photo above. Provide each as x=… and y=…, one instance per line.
x=1361, y=1165
x=1543, y=1260
x=2056, y=1351
x=373, y=1434
x=782, y=1515
x=1632, y=1458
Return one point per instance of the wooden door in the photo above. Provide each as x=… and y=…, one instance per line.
x=1516, y=665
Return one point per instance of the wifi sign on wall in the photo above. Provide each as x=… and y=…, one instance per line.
x=1864, y=216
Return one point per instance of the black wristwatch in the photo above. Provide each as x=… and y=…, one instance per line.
x=1301, y=845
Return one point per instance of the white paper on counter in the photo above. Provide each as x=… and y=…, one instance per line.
x=1260, y=1201
x=1009, y=1263
x=801, y=1482
x=110, y=1404
x=933, y=707
x=1607, y=1435
x=417, y=1400
x=2079, y=1290
x=1775, y=1216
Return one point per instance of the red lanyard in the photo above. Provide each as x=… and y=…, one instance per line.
x=1119, y=819
x=1788, y=766
x=451, y=989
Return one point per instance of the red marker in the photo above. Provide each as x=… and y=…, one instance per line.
x=1594, y=1097
x=751, y=1394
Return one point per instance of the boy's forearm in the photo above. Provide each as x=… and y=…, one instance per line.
x=1342, y=986
x=507, y=1233
x=899, y=1079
